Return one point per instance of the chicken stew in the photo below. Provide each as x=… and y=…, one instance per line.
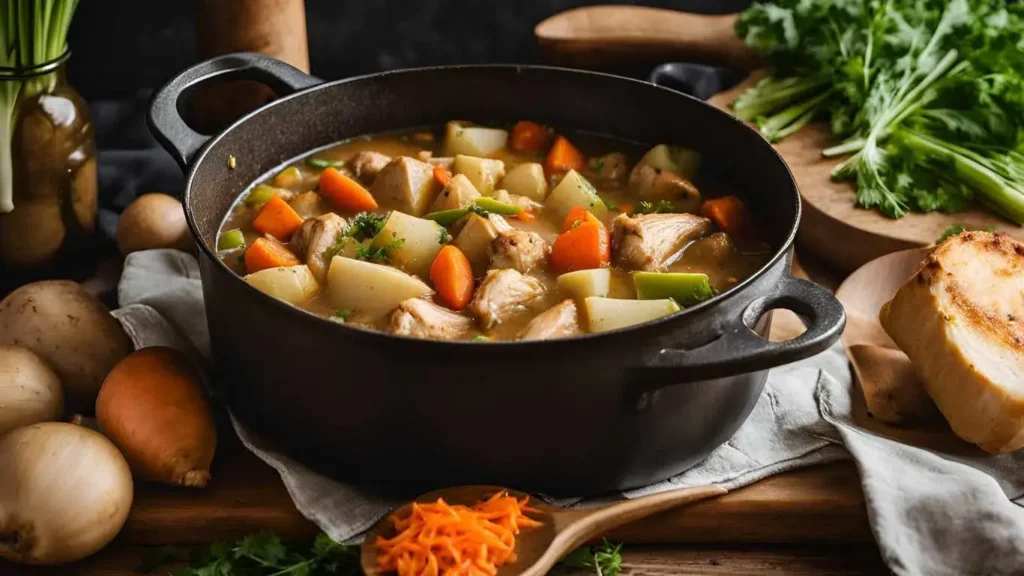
x=471, y=232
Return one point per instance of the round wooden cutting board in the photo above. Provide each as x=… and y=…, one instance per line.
x=835, y=230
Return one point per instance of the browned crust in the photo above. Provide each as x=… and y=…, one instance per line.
x=1007, y=328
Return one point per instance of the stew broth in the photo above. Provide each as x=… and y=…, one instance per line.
x=725, y=259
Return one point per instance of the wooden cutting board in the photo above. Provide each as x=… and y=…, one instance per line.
x=832, y=227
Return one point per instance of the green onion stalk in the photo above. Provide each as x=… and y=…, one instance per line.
x=32, y=32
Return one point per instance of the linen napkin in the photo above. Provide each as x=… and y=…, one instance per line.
x=937, y=505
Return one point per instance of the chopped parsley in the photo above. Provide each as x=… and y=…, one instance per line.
x=604, y=558
x=480, y=338
x=443, y=236
x=596, y=164
x=380, y=254
x=365, y=226
x=662, y=207
x=320, y=163
x=340, y=316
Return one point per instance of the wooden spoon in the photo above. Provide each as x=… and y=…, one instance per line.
x=601, y=36
x=538, y=549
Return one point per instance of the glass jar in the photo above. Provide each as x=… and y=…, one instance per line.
x=50, y=232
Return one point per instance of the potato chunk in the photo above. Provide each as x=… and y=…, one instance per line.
x=484, y=173
x=527, y=180
x=407, y=185
x=370, y=288
x=292, y=284
x=419, y=241
x=459, y=193
x=473, y=140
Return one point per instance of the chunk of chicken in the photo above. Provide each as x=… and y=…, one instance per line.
x=652, y=241
x=422, y=319
x=557, y=322
x=407, y=185
x=517, y=249
x=313, y=238
x=609, y=168
x=367, y=165
x=650, y=183
x=308, y=204
x=502, y=294
x=716, y=249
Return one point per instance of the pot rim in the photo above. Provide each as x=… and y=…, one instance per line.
x=201, y=157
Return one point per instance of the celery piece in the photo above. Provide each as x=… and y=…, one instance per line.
x=687, y=288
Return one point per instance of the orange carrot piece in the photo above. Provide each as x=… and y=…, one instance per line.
x=452, y=276
x=526, y=216
x=728, y=213
x=528, y=136
x=442, y=175
x=579, y=214
x=268, y=253
x=278, y=219
x=344, y=192
x=563, y=156
x=583, y=247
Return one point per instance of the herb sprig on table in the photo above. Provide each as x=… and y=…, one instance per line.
x=924, y=97
x=263, y=554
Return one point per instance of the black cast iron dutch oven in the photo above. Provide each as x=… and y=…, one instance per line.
x=576, y=416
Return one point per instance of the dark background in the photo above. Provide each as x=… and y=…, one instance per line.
x=123, y=45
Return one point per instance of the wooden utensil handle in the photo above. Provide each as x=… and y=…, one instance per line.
x=581, y=526
x=622, y=34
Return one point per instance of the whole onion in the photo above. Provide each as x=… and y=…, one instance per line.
x=65, y=492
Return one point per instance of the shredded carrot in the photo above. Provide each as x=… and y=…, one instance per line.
x=278, y=219
x=441, y=539
x=728, y=213
x=442, y=175
x=268, y=253
x=528, y=136
x=563, y=157
x=344, y=192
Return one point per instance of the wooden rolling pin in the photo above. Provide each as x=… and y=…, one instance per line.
x=276, y=28
x=603, y=36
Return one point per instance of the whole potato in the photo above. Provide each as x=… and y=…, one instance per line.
x=69, y=329
x=153, y=221
x=29, y=390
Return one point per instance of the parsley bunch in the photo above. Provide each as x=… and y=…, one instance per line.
x=261, y=554
x=925, y=96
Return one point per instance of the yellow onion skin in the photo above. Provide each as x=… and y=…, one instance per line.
x=65, y=492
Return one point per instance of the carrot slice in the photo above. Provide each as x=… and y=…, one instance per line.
x=526, y=216
x=268, y=253
x=344, y=192
x=452, y=276
x=582, y=247
x=563, y=156
x=528, y=136
x=442, y=175
x=579, y=214
x=278, y=219
x=728, y=213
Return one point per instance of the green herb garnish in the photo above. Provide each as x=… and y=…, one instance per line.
x=381, y=254
x=443, y=237
x=480, y=338
x=604, y=558
x=662, y=207
x=340, y=316
x=366, y=225
x=925, y=97
x=320, y=163
x=596, y=164
x=261, y=554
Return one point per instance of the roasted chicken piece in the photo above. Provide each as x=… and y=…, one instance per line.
x=653, y=241
x=502, y=294
x=308, y=204
x=609, y=168
x=367, y=165
x=960, y=319
x=518, y=249
x=557, y=322
x=650, y=183
x=407, y=185
x=421, y=319
x=313, y=238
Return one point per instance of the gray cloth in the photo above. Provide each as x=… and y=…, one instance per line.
x=947, y=509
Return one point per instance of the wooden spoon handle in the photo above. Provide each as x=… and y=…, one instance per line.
x=599, y=36
x=576, y=527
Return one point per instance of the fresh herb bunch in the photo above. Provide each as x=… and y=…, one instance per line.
x=32, y=32
x=261, y=554
x=925, y=96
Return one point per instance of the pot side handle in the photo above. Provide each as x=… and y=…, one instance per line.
x=740, y=350
x=166, y=122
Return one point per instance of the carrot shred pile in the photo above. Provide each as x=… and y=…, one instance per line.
x=438, y=539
